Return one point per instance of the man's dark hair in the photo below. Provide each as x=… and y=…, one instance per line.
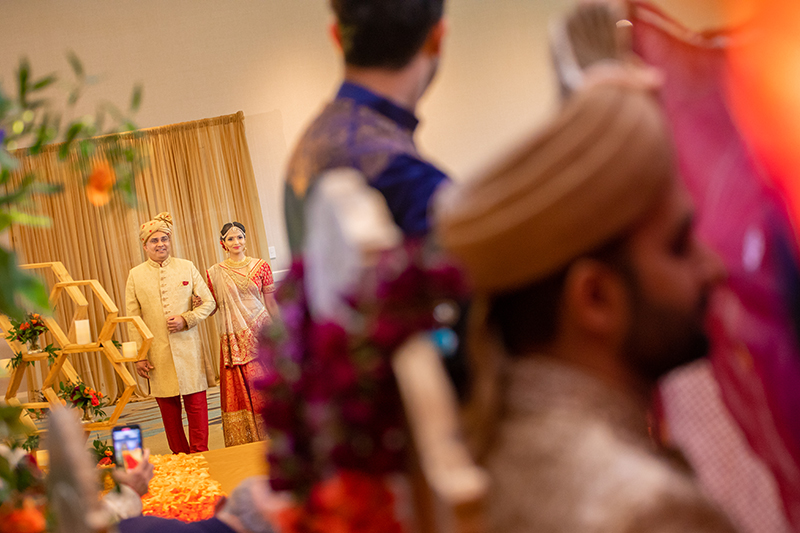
x=527, y=318
x=384, y=33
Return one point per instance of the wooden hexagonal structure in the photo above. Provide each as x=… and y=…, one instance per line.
x=116, y=359
x=81, y=312
x=65, y=285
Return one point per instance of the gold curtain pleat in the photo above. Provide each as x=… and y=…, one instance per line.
x=199, y=171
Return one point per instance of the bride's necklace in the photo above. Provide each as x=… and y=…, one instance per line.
x=237, y=264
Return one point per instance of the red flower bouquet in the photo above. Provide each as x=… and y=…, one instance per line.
x=27, y=331
x=82, y=396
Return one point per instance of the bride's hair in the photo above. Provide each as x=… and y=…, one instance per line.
x=227, y=227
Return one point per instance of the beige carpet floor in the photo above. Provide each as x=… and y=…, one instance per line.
x=147, y=415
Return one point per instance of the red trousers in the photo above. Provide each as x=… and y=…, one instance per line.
x=197, y=416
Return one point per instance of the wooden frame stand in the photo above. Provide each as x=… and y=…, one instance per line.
x=67, y=345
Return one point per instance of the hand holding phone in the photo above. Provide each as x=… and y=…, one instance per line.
x=128, y=450
x=138, y=478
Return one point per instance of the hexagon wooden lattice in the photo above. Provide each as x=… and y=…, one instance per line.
x=65, y=285
x=18, y=373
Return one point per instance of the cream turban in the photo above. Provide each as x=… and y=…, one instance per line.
x=592, y=173
x=162, y=222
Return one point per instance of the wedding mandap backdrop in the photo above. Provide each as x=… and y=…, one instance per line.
x=199, y=171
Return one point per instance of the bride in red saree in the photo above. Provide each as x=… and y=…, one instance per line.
x=243, y=287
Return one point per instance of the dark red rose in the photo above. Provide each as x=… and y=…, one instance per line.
x=344, y=456
x=357, y=411
x=278, y=414
x=388, y=333
x=405, y=286
x=328, y=341
x=185, y=283
x=343, y=374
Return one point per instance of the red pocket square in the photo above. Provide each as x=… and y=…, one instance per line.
x=185, y=283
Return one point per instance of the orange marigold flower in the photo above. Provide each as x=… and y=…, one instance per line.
x=181, y=488
x=28, y=519
x=100, y=183
x=109, y=453
x=99, y=394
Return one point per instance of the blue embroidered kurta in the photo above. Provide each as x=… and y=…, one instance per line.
x=362, y=130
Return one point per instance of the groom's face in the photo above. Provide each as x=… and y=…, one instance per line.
x=158, y=246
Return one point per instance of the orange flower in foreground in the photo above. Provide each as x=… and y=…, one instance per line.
x=27, y=519
x=100, y=183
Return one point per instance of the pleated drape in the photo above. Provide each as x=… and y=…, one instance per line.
x=199, y=171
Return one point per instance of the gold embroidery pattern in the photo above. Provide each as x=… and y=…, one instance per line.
x=237, y=264
x=327, y=144
x=240, y=348
x=243, y=281
x=241, y=427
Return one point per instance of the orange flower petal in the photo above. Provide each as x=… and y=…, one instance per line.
x=96, y=197
x=181, y=488
x=100, y=183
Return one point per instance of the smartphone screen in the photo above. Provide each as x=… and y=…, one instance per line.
x=127, y=446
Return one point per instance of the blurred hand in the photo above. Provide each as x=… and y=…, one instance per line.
x=176, y=324
x=143, y=368
x=196, y=301
x=137, y=478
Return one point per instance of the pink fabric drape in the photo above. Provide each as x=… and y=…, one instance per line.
x=755, y=361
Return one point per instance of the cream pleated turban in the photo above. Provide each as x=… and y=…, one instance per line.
x=587, y=177
x=162, y=222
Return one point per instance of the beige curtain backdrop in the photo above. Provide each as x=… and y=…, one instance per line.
x=199, y=171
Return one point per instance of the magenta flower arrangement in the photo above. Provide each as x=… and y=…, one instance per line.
x=331, y=400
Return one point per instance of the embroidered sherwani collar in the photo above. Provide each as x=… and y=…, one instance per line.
x=363, y=96
x=166, y=262
x=539, y=383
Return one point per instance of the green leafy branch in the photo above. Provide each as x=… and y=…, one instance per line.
x=31, y=443
x=30, y=118
x=52, y=354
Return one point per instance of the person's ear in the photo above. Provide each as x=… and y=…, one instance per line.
x=336, y=34
x=595, y=297
x=435, y=40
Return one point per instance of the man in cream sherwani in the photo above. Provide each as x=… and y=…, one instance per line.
x=160, y=291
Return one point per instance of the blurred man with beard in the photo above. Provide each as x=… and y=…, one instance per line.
x=582, y=251
x=391, y=51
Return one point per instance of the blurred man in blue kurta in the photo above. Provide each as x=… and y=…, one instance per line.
x=391, y=53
